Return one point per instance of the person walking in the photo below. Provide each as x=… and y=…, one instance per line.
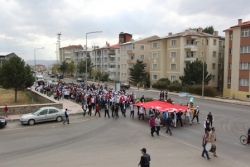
x=152, y=125
x=145, y=158
x=106, y=110
x=178, y=117
x=66, y=116
x=188, y=112
x=169, y=123
x=211, y=118
x=212, y=139
x=157, y=124
x=204, y=143
x=141, y=113
x=165, y=117
x=6, y=110
x=84, y=108
x=173, y=116
x=196, y=114
x=207, y=125
x=90, y=109
x=132, y=110
x=97, y=109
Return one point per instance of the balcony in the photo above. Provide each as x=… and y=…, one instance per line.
x=191, y=47
x=130, y=61
x=111, y=54
x=130, y=52
x=112, y=69
x=190, y=58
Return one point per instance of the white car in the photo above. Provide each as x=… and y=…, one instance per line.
x=44, y=114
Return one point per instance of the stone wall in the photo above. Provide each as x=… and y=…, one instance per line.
x=44, y=101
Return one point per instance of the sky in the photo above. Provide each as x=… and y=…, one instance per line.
x=29, y=24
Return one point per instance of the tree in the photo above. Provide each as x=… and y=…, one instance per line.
x=16, y=75
x=71, y=68
x=209, y=30
x=54, y=69
x=63, y=67
x=137, y=72
x=104, y=76
x=193, y=74
x=81, y=67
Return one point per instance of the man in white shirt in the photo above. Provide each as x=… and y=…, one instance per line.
x=188, y=113
x=141, y=112
x=132, y=110
x=157, y=124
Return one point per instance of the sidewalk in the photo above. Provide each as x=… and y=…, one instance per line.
x=72, y=107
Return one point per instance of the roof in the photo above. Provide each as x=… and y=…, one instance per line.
x=188, y=32
x=72, y=47
x=5, y=53
x=244, y=24
x=116, y=46
x=140, y=39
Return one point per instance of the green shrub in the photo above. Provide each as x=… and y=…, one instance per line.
x=197, y=89
x=175, y=87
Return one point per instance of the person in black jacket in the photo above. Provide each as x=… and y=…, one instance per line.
x=145, y=158
x=66, y=116
x=178, y=117
x=169, y=123
x=196, y=114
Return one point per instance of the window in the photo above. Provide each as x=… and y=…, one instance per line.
x=220, y=43
x=215, y=42
x=122, y=74
x=53, y=111
x=230, y=51
x=202, y=54
x=219, y=77
x=245, y=49
x=154, y=66
x=244, y=66
x=118, y=50
x=214, y=54
x=133, y=46
x=173, y=67
x=219, y=66
x=202, y=41
x=207, y=41
x=118, y=66
x=213, y=77
x=142, y=47
x=187, y=42
x=155, y=55
x=154, y=44
x=220, y=55
x=173, y=42
x=154, y=77
x=231, y=36
x=244, y=82
x=118, y=58
x=173, y=54
x=213, y=66
x=245, y=33
x=229, y=80
x=229, y=66
x=43, y=112
x=142, y=57
x=172, y=78
x=125, y=75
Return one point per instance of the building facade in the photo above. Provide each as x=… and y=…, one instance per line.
x=5, y=56
x=67, y=53
x=171, y=54
x=237, y=61
x=131, y=52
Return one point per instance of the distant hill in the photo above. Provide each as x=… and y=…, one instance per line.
x=43, y=62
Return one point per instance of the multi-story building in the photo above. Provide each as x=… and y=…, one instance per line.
x=169, y=55
x=237, y=61
x=5, y=56
x=67, y=53
x=130, y=52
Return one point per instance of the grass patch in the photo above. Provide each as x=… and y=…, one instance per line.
x=7, y=96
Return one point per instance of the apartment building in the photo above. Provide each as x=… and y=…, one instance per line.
x=5, y=56
x=67, y=53
x=169, y=55
x=237, y=61
x=130, y=52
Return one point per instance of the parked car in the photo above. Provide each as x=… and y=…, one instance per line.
x=79, y=80
x=44, y=114
x=3, y=122
x=52, y=75
x=125, y=86
x=60, y=76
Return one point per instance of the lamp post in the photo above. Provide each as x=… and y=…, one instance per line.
x=202, y=93
x=87, y=53
x=35, y=56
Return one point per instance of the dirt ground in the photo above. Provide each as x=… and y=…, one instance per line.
x=7, y=96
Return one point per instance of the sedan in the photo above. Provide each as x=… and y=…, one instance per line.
x=44, y=114
x=3, y=122
x=125, y=86
x=80, y=80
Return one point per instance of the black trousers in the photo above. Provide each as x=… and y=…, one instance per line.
x=141, y=115
x=179, y=120
x=90, y=110
x=106, y=112
x=197, y=118
x=157, y=130
x=97, y=111
x=169, y=130
x=152, y=131
x=132, y=113
x=66, y=120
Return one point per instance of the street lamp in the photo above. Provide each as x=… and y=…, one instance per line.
x=35, y=56
x=86, y=54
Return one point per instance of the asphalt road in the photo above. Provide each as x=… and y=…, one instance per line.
x=113, y=142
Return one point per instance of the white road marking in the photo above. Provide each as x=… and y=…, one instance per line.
x=239, y=144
